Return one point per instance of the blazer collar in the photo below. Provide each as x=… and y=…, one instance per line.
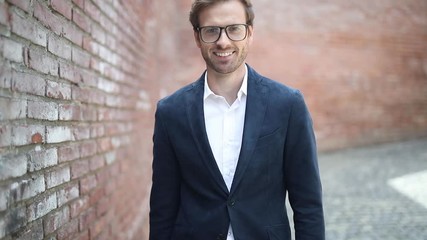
x=255, y=110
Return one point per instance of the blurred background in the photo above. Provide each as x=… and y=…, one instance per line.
x=79, y=82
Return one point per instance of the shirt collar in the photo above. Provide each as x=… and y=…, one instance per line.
x=242, y=91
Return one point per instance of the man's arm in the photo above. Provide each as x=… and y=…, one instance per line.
x=164, y=199
x=302, y=174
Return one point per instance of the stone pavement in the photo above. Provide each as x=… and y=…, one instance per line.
x=377, y=192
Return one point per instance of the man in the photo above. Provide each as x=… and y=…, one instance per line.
x=228, y=147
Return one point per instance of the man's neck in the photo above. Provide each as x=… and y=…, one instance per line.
x=226, y=85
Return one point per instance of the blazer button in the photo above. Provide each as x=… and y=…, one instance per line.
x=231, y=202
x=220, y=237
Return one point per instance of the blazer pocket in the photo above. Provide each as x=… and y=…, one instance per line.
x=279, y=232
x=269, y=138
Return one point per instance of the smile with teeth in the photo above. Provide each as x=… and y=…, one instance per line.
x=225, y=54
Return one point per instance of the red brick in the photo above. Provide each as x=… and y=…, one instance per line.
x=87, y=218
x=12, y=109
x=104, y=144
x=96, y=162
x=55, y=220
x=90, y=45
x=89, y=113
x=22, y=134
x=68, y=194
x=87, y=184
x=26, y=83
x=58, y=90
x=81, y=20
x=95, y=195
x=103, y=206
x=57, y=134
x=96, y=228
x=63, y=7
x=81, y=57
x=28, y=30
x=12, y=50
x=72, y=33
x=68, y=153
x=92, y=11
x=79, y=168
x=43, y=62
x=108, y=86
x=47, y=18
x=80, y=94
x=69, y=72
x=23, y=4
x=27, y=188
x=32, y=231
x=5, y=75
x=69, y=230
x=12, y=166
x=80, y=3
x=88, y=149
x=12, y=220
x=5, y=135
x=78, y=206
x=110, y=187
x=102, y=176
x=59, y=47
x=89, y=79
x=98, y=131
x=100, y=36
x=41, y=207
x=57, y=177
x=43, y=110
x=82, y=236
x=81, y=133
x=69, y=112
x=4, y=14
x=42, y=158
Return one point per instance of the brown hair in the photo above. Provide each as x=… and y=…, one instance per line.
x=199, y=5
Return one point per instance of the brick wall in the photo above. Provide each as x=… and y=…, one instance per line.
x=77, y=88
x=79, y=80
x=361, y=65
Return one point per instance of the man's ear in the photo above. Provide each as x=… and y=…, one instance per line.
x=197, y=38
x=250, y=33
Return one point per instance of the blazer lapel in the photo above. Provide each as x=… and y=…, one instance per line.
x=196, y=121
x=256, y=106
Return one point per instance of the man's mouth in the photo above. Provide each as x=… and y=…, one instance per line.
x=223, y=54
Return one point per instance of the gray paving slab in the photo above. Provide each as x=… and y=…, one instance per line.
x=360, y=200
x=361, y=204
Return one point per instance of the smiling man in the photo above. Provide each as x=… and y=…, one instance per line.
x=229, y=147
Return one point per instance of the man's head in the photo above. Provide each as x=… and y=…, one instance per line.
x=199, y=5
x=223, y=30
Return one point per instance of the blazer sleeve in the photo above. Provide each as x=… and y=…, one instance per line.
x=164, y=198
x=302, y=174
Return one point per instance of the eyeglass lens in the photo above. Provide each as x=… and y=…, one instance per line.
x=236, y=32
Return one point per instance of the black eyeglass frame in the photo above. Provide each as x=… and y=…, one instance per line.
x=199, y=29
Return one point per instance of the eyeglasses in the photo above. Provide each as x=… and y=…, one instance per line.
x=235, y=32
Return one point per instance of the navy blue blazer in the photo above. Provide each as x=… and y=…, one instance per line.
x=189, y=198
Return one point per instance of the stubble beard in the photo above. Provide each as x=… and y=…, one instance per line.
x=229, y=67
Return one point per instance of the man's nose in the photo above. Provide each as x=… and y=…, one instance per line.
x=223, y=38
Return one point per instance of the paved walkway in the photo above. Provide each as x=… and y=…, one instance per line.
x=378, y=192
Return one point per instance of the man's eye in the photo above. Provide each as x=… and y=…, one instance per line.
x=211, y=30
x=234, y=29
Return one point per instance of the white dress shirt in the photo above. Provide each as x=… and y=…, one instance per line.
x=224, y=127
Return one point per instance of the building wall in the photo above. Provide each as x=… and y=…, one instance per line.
x=77, y=94
x=79, y=80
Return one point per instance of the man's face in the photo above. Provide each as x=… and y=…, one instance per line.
x=224, y=56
